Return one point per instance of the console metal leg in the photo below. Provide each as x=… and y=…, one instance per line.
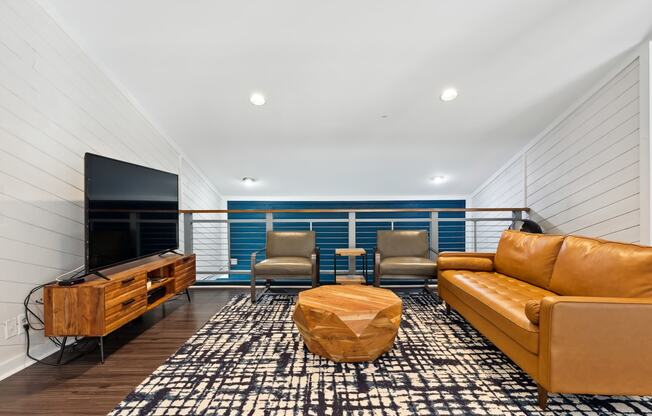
x=188, y=295
x=63, y=347
x=101, y=340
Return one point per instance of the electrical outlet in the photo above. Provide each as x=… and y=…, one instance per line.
x=234, y=262
x=21, y=321
x=11, y=329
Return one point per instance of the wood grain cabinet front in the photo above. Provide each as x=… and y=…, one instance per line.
x=98, y=307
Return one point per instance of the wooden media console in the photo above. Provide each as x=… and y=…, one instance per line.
x=98, y=306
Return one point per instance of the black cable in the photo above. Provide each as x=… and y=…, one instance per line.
x=27, y=326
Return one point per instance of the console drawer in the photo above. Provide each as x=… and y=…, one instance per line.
x=118, y=297
x=125, y=284
x=120, y=313
x=183, y=282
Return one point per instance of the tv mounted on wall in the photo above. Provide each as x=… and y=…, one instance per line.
x=131, y=212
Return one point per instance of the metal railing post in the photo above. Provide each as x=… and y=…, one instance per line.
x=475, y=235
x=517, y=215
x=352, y=265
x=434, y=232
x=269, y=221
x=187, y=233
x=228, y=247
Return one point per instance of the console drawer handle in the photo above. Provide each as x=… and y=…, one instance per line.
x=128, y=302
x=131, y=279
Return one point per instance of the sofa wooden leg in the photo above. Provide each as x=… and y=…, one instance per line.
x=448, y=307
x=543, y=397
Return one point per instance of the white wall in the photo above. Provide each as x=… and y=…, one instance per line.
x=588, y=173
x=506, y=190
x=55, y=105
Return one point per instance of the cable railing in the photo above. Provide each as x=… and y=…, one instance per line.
x=224, y=239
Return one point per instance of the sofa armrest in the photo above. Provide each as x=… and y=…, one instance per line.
x=595, y=345
x=467, y=254
x=466, y=261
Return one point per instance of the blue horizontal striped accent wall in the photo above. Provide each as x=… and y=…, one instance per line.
x=247, y=237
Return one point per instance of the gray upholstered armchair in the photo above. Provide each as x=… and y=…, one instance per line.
x=290, y=254
x=403, y=254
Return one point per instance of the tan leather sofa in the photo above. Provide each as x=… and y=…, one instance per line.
x=575, y=313
x=290, y=254
x=403, y=254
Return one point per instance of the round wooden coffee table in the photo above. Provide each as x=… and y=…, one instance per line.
x=348, y=323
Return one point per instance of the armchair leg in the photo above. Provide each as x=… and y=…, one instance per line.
x=543, y=397
x=253, y=288
x=448, y=308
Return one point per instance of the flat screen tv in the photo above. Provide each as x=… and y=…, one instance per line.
x=130, y=211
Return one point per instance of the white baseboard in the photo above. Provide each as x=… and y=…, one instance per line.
x=15, y=364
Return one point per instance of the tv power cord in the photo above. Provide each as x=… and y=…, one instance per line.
x=40, y=325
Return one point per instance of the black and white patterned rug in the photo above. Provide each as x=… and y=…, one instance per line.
x=250, y=360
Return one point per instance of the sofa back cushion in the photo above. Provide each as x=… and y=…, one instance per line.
x=590, y=267
x=528, y=257
x=290, y=243
x=403, y=243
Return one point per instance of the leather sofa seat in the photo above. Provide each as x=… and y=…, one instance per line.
x=282, y=266
x=500, y=299
x=412, y=266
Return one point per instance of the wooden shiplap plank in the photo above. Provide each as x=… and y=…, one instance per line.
x=55, y=105
x=582, y=176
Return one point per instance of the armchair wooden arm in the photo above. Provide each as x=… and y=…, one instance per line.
x=252, y=290
x=314, y=260
x=376, y=267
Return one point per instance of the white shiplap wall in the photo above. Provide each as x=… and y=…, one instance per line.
x=55, y=105
x=505, y=190
x=583, y=175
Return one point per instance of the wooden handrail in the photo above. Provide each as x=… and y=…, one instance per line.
x=315, y=211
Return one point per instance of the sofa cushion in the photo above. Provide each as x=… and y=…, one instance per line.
x=500, y=299
x=590, y=267
x=533, y=310
x=408, y=266
x=478, y=264
x=284, y=266
x=528, y=257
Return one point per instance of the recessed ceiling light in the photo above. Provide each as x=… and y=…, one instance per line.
x=248, y=180
x=437, y=179
x=449, y=94
x=257, y=99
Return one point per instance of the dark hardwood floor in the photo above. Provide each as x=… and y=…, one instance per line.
x=86, y=387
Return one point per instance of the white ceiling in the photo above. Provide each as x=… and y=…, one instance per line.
x=331, y=69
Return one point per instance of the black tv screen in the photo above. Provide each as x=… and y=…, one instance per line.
x=131, y=211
